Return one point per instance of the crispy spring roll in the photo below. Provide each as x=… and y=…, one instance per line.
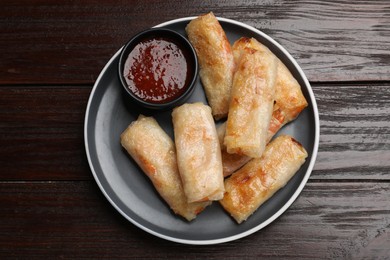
x=215, y=61
x=251, y=103
x=289, y=102
x=198, y=152
x=154, y=151
x=289, y=99
x=230, y=162
x=260, y=178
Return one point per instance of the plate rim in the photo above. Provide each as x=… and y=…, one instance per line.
x=261, y=225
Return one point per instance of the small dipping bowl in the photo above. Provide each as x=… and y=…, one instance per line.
x=158, y=69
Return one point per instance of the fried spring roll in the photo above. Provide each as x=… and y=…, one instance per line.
x=230, y=162
x=259, y=179
x=198, y=152
x=251, y=103
x=154, y=151
x=289, y=102
x=289, y=99
x=215, y=61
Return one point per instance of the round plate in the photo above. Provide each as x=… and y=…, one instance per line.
x=129, y=190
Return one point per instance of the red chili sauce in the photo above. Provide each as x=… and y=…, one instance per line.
x=157, y=70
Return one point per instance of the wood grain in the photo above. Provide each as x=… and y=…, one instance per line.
x=41, y=133
x=355, y=130
x=63, y=42
x=74, y=220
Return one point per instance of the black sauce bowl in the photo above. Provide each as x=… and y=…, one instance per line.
x=191, y=60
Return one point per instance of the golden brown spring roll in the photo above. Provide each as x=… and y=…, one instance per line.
x=230, y=162
x=154, y=151
x=260, y=178
x=251, y=103
x=289, y=102
x=289, y=99
x=198, y=152
x=215, y=61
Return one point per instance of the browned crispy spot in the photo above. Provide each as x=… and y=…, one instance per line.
x=244, y=40
x=295, y=141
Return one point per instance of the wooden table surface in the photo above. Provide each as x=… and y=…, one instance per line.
x=53, y=51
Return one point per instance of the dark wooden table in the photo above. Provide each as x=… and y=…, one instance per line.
x=53, y=51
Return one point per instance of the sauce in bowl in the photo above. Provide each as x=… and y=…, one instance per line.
x=157, y=70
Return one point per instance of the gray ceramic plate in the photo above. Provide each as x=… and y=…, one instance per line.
x=130, y=191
